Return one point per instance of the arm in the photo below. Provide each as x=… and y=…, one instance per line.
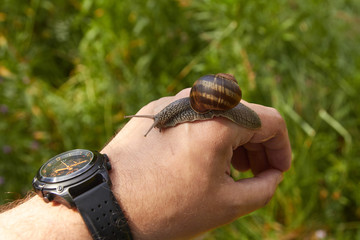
x=176, y=184
x=35, y=219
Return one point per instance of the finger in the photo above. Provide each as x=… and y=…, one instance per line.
x=247, y=195
x=272, y=136
x=258, y=159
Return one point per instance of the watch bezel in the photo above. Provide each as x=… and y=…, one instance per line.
x=57, y=179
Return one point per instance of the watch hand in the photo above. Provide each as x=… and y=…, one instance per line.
x=78, y=163
x=68, y=167
x=62, y=169
x=65, y=164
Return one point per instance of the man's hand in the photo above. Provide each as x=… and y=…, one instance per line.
x=176, y=184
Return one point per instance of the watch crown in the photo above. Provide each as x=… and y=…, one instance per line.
x=48, y=197
x=107, y=162
x=108, y=165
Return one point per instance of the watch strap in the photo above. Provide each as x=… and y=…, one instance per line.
x=102, y=214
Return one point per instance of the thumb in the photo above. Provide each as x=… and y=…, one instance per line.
x=247, y=195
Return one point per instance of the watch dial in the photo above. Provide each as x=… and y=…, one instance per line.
x=66, y=163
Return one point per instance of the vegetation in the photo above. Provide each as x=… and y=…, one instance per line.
x=70, y=70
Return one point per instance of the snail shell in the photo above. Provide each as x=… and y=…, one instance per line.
x=215, y=92
x=221, y=99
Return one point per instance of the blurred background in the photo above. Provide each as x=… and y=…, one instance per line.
x=70, y=70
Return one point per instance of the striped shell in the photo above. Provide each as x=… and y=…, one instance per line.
x=215, y=92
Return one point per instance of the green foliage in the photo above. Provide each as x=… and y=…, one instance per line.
x=70, y=70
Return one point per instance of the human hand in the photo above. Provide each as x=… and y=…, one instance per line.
x=176, y=184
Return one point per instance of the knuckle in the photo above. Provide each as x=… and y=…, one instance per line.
x=277, y=118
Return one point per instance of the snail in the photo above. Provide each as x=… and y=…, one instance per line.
x=211, y=96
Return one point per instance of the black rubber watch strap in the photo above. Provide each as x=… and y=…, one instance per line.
x=102, y=214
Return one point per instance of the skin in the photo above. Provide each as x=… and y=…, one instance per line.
x=174, y=184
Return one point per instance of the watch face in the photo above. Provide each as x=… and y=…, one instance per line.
x=67, y=164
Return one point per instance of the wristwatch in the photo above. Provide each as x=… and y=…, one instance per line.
x=79, y=179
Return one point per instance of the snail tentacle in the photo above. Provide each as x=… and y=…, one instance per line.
x=141, y=116
x=156, y=121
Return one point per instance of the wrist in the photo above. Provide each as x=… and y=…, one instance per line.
x=146, y=188
x=132, y=179
x=121, y=182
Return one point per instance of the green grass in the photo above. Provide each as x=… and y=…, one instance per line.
x=70, y=70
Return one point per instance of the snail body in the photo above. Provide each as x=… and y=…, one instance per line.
x=214, y=96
